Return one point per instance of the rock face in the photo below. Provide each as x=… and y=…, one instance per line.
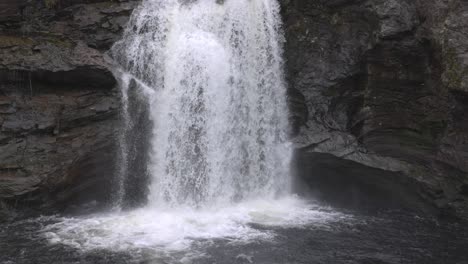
x=58, y=101
x=383, y=84
x=378, y=92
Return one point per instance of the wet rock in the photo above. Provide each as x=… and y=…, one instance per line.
x=47, y=140
x=10, y=10
x=383, y=82
x=380, y=85
x=17, y=186
x=89, y=192
x=53, y=62
x=349, y=184
x=395, y=17
x=59, y=107
x=58, y=103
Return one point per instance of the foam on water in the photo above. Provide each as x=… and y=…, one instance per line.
x=211, y=73
x=167, y=230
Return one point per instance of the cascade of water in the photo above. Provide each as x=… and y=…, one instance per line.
x=208, y=73
x=219, y=109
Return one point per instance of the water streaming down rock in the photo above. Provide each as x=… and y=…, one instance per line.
x=208, y=74
x=212, y=74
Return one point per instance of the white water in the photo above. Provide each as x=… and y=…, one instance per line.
x=219, y=99
x=212, y=73
x=173, y=230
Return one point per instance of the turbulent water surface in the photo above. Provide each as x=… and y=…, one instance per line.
x=209, y=75
x=385, y=239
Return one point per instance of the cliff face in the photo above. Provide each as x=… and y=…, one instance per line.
x=382, y=84
x=58, y=102
x=378, y=93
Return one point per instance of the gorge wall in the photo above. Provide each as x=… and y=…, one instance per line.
x=378, y=92
x=59, y=106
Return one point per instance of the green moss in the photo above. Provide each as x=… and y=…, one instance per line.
x=59, y=42
x=10, y=41
x=53, y=38
x=453, y=69
x=24, y=46
x=51, y=3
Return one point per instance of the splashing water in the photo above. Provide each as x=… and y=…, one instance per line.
x=219, y=99
x=212, y=74
x=177, y=229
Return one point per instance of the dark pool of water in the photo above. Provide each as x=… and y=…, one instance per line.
x=390, y=238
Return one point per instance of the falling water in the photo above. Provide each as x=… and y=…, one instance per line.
x=209, y=75
x=213, y=73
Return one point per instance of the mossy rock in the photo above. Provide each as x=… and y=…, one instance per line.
x=51, y=3
x=11, y=41
x=454, y=71
x=59, y=42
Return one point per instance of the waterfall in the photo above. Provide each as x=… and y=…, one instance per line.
x=206, y=126
x=211, y=72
